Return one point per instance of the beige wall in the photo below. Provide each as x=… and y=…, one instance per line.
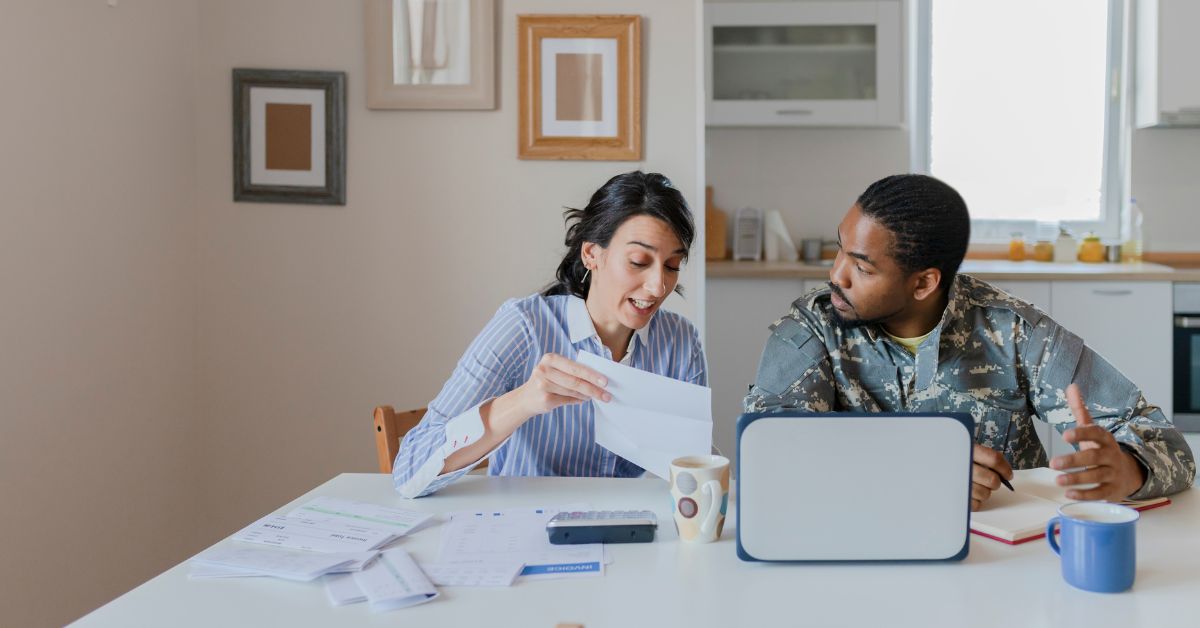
x=310, y=316
x=98, y=462
x=173, y=364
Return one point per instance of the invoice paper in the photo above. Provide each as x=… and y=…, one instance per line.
x=451, y=575
x=342, y=589
x=324, y=535
x=651, y=419
x=516, y=535
x=375, y=516
x=394, y=581
x=201, y=570
x=274, y=561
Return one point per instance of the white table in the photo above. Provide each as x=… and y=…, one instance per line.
x=668, y=583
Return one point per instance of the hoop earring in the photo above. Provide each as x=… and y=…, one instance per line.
x=585, y=276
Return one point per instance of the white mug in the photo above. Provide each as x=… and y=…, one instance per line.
x=700, y=494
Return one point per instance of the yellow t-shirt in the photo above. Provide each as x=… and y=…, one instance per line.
x=910, y=344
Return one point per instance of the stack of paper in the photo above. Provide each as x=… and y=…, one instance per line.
x=326, y=524
x=326, y=537
x=233, y=561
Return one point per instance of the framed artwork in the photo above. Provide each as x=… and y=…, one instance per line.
x=580, y=87
x=430, y=54
x=289, y=136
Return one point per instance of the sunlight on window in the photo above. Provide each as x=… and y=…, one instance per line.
x=1018, y=106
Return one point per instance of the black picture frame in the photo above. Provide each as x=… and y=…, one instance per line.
x=333, y=192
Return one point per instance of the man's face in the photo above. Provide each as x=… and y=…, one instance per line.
x=868, y=286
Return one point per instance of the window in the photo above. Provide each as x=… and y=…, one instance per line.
x=1020, y=105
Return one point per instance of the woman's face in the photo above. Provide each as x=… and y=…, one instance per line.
x=631, y=278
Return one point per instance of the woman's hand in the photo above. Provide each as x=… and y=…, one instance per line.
x=558, y=381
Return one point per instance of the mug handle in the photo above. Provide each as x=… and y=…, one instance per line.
x=712, y=488
x=1050, y=534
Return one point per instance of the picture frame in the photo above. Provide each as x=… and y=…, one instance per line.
x=430, y=54
x=289, y=136
x=580, y=87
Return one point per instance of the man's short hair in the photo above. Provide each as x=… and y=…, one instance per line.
x=928, y=219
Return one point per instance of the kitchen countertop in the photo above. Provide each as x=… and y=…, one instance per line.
x=983, y=269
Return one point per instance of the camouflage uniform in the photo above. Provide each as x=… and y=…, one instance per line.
x=994, y=356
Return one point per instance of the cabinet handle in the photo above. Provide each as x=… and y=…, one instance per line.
x=1187, y=322
x=794, y=112
x=1113, y=293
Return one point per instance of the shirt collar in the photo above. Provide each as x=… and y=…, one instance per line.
x=580, y=326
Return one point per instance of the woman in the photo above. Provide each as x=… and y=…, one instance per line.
x=518, y=396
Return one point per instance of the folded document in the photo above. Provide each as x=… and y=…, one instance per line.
x=651, y=419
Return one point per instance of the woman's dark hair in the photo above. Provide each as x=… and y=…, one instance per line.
x=621, y=198
x=929, y=222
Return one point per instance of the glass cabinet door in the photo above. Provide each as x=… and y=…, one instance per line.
x=820, y=62
x=811, y=63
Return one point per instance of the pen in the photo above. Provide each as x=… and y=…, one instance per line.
x=1006, y=483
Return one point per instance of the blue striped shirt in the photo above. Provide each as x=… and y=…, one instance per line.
x=501, y=358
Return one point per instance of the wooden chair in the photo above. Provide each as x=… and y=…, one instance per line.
x=390, y=428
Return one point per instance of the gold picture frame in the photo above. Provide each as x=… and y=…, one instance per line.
x=430, y=54
x=580, y=87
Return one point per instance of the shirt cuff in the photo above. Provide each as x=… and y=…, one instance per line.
x=460, y=431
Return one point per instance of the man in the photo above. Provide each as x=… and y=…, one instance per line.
x=898, y=330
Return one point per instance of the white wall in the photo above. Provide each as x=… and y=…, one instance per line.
x=311, y=315
x=98, y=462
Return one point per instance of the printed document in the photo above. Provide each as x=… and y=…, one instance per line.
x=497, y=575
x=314, y=535
x=516, y=535
x=274, y=561
x=651, y=419
x=394, y=581
x=383, y=518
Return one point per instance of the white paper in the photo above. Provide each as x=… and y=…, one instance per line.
x=492, y=575
x=327, y=535
x=343, y=590
x=274, y=561
x=357, y=561
x=394, y=581
x=517, y=535
x=651, y=419
x=374, y=516
x=202, y=571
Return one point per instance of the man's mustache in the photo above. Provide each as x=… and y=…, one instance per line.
x=838, y=291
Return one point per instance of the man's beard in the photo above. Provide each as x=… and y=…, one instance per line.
x=853, y=323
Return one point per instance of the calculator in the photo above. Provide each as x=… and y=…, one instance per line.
x=602, y=526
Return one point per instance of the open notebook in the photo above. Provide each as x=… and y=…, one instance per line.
x=1020, y=515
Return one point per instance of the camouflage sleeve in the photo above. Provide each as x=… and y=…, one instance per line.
x=1058, y=358
x=794, y=373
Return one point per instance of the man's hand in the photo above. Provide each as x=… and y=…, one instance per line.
x=988, y=468
x=1100, y=460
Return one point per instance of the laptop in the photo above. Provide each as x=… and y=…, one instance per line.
x=853, y=486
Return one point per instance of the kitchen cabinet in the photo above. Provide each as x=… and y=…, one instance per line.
x=1167, y=81
x=1128, y=323
x=831, y=63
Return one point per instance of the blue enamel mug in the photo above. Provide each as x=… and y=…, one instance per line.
x=1098, y=545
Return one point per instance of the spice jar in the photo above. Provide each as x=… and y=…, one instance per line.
x=1016, y=248
x=1091, y=250
x=1043, y=251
